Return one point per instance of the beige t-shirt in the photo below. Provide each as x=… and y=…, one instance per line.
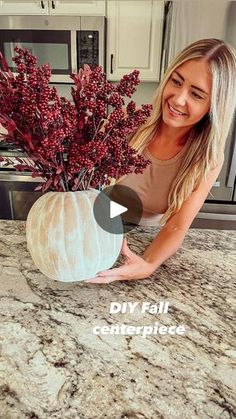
x=153, y=185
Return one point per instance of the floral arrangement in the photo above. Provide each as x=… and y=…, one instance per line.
x=72, y=145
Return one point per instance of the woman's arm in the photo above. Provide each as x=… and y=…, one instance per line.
x=171, y=236
x=165, y=244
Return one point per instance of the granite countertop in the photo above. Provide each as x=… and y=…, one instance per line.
x=53, y=365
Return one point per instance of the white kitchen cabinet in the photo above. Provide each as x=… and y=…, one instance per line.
x=134, y=38
x=53, y=7
x=78, y=7
x=10, y=7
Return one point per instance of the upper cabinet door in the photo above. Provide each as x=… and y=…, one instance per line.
x=134, y=38
x=53, y=7
x=77, y=7
x=10, y=7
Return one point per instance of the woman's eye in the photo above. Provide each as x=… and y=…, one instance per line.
x=196, y=95
x=175, y=82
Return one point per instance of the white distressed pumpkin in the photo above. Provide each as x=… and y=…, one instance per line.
x=64, y=239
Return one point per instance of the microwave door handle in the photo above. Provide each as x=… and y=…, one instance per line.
x=232, y=170
x=73, y=51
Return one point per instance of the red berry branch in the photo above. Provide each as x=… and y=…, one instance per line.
x=72, y=145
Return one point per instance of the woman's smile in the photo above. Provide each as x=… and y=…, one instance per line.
x=174, y=112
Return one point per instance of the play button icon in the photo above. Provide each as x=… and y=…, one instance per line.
x=118, y=209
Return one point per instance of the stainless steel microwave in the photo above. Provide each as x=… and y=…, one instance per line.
x=64, y=42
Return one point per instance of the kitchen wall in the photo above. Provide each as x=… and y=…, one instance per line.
x=201, y=19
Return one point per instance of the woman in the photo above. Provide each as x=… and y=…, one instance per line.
x=185, y=135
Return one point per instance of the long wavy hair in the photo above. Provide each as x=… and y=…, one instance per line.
x=207, y=137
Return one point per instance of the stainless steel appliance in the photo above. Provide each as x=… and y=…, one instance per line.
x=186, y=22
x=65, y=42
x=17, y=189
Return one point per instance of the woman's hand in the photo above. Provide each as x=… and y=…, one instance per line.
x=135, y=267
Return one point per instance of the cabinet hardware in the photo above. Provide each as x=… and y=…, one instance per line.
x=53, y=5
x=42, y=5
x=111, y=63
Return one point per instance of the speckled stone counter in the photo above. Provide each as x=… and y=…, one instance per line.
x=53, y=365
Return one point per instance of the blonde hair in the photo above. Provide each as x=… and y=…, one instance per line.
x=207, y=138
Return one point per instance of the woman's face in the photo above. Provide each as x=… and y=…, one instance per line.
x=186, y=96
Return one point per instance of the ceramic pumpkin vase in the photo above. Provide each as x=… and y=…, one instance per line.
x=64, y=239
